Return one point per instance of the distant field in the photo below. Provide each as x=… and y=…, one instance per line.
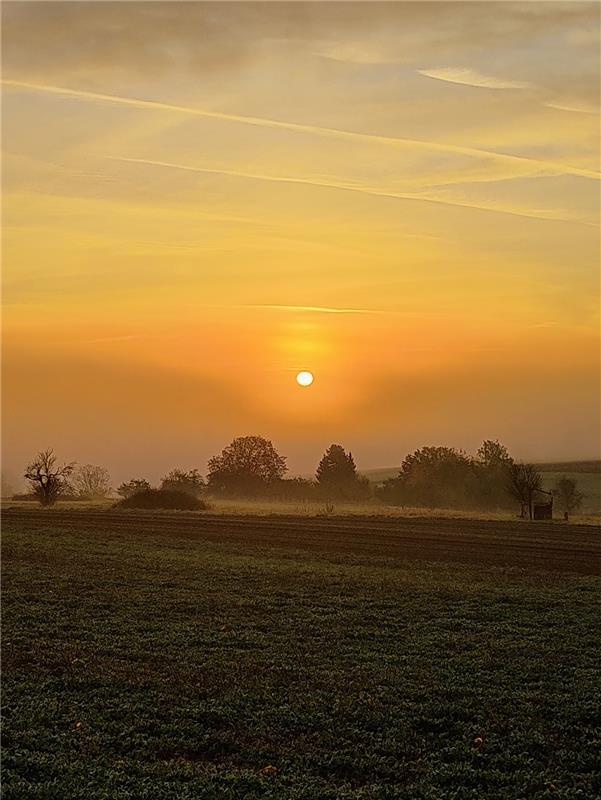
x=593, y=467
x=380, y=474
x=204, y=657
x=570, y=466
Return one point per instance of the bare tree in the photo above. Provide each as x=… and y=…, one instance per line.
x=91, y=482
x=524, y=481
x=46, y=478
x=568, y=496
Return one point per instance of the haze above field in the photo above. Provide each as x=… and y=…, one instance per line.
x=200, y=200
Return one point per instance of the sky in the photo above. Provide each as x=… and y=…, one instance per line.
x=202, y=199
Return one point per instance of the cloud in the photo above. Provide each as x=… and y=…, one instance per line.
x=548, y=167
x=316, y=309
x=357, y=53
x=471, y=77
x=131, y=40
x=575, y=106
x=542, y=214
x=110, y=339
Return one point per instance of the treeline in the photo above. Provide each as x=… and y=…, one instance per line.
x=439, y=477
x=251, y=467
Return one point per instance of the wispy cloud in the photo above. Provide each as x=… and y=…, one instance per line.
x=315, y=309
x=125, y=338
x=579, y=108
x=357, y=53
x=471, y=77
x=548, y=167
x=542, y=214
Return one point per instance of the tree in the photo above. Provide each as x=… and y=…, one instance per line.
x=190, y=482
x=91, y=482
x=523, y=481
x=337, y=474
x=434, y=477
x=133, y=486
x=491, y=463
x=248, y=465
x=46, y=478
x=568, y=496
x=493, y=454
x=442, y=476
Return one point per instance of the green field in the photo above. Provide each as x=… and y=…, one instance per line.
x=204, y=656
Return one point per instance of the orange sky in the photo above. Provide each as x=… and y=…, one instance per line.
x=202, y=199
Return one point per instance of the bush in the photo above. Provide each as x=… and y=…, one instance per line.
x=299, y=490
x=178, y=480
x=133, y=487
x=164, y=499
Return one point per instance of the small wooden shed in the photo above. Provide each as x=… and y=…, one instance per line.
x=542, y=505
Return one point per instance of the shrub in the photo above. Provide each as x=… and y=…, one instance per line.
x=292, y=489
x=163, y=499
x=133, y=487
x=178, y=480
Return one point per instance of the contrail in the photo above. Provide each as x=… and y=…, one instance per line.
x=125, y=338
x=471, y=77
x=349, y=187
x=546, y=166
x=316, y=309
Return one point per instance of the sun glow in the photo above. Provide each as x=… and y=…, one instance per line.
x=304, y=378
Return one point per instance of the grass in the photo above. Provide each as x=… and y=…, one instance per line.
x=590, y=513
x=147, y=659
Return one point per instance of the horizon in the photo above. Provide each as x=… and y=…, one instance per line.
x=16, y=482
x=410, y=212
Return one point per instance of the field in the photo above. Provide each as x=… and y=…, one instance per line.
x=296, y=658
x=380, y=474
x=589, y=515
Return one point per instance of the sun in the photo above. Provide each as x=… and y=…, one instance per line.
x=304, y=378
